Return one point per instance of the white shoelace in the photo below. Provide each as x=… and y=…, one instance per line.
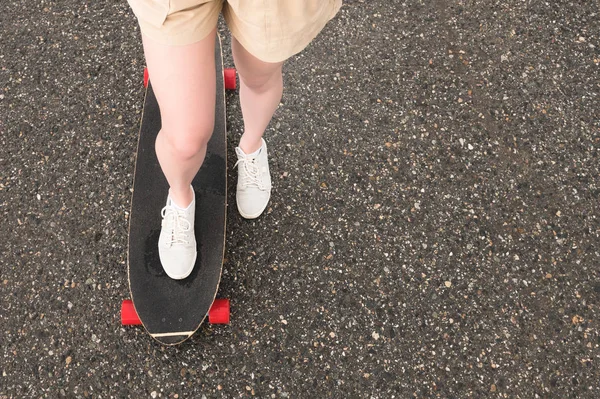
x=178, y=225
x=251, y=172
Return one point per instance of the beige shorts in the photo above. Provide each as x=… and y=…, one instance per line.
x=271, y=30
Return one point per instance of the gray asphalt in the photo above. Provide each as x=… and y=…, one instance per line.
x=433, y=232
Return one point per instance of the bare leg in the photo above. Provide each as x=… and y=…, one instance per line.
x=261, y=87
x=183, y=79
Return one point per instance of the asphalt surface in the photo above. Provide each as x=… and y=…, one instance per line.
x=433, y=232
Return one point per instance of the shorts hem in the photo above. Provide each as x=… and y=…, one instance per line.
x=278, y=53
x=174, y=39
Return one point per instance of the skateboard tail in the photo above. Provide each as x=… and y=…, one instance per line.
x=172, y=338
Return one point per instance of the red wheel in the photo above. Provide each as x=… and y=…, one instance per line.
x=129, y=316
x=230, y=78
x=146, y=77
x=219, y=312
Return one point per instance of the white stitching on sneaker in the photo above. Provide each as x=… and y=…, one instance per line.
x=177, y=224
x=252, y=176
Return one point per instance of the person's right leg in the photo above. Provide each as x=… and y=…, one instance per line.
x=183, y=80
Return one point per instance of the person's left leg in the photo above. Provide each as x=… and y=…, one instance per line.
x=266, y=33
x=261, y=87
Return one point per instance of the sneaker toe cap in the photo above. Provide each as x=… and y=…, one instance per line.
x=178, y=263
x=252, y=205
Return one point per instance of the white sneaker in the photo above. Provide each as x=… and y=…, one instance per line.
x=254, y=182
x=177, y=242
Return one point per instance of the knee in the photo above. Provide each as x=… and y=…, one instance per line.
x=186, y=140
x=261, y=83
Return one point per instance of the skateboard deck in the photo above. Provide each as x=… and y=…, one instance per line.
x=172, y=310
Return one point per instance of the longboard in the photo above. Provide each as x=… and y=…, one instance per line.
x=172, y=310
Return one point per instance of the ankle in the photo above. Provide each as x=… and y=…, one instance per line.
x=250, y=146
x=181, y=198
